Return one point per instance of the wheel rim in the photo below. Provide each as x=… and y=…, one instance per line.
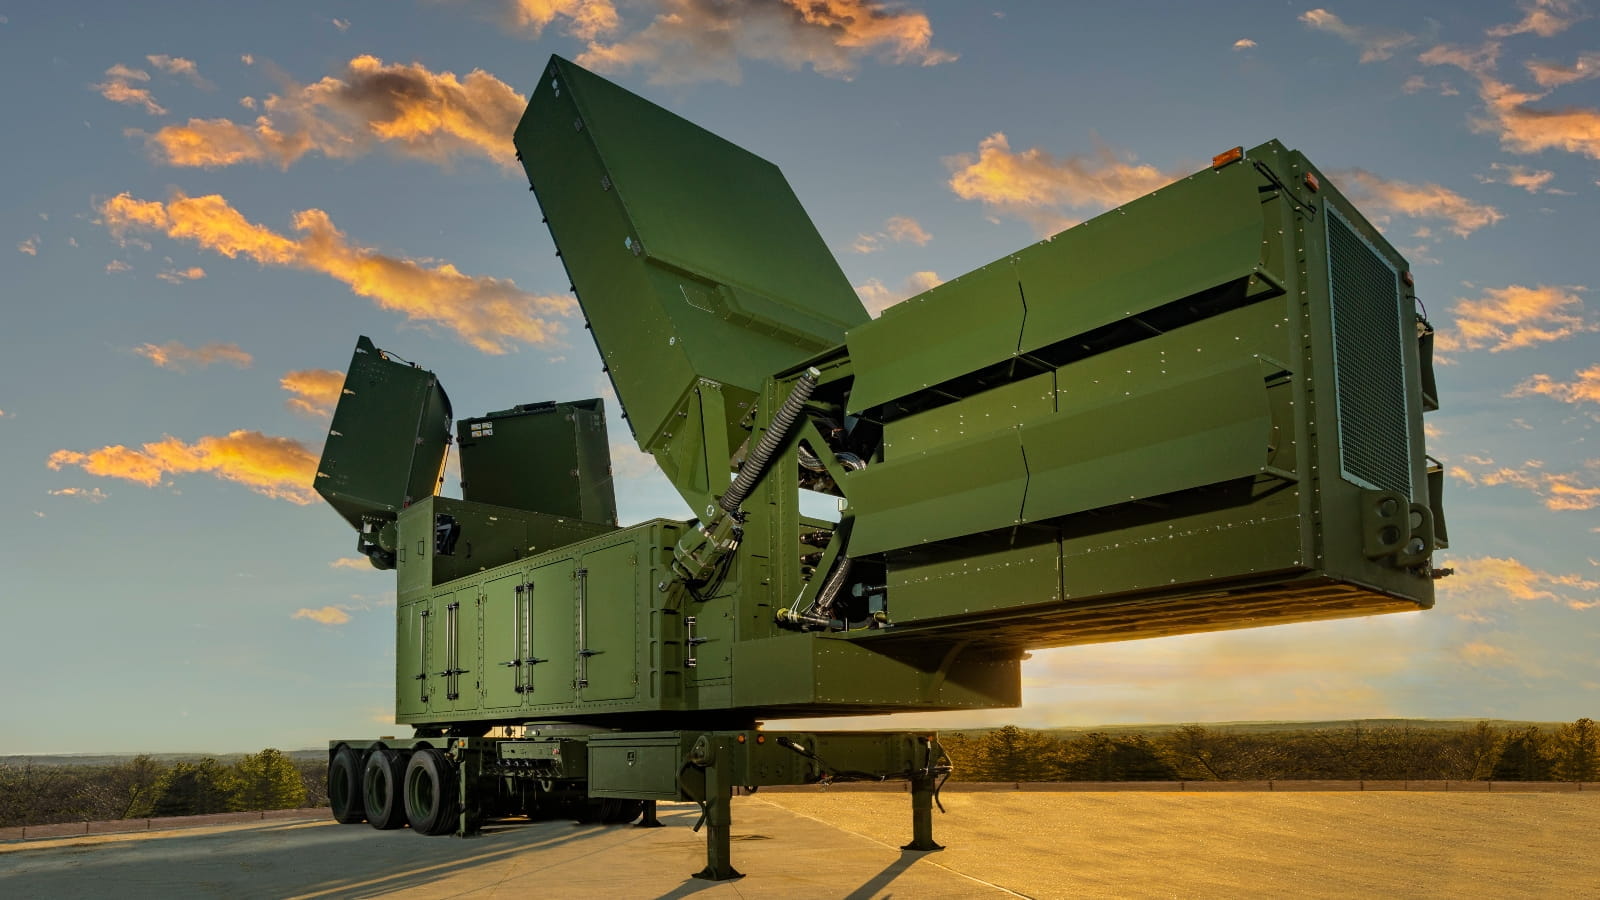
x=421, y=790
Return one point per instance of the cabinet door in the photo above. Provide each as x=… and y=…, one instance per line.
x=410, y=660
x=452, y=649
x=504, y=668
x=607, y=624
x=550, y=660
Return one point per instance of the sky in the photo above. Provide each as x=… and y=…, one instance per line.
x=203, y=205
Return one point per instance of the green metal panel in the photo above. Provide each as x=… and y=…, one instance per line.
x=386, y=444
x=488, y=536
x=547, y=457
x=504, y=624
x=979, y=574
x=608, y=591
x=553, y=591
x=411, y=662
x=960, y=326
x=959, y=488
x=642, y=765
x=1009, y=404
x=1190, y=236
x=1083, y=458
x=794, y=673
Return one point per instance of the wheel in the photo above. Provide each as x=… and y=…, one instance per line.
x=380, y=789
x=432, y=802
x=344, y=787
x=621, y=812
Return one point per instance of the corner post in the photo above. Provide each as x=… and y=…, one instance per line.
x=649, y=820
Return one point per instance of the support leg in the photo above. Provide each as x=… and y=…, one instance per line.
x=922, y=814
x=648, y=819
x=719, y=822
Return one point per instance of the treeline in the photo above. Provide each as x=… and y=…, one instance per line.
x=36, y=794
x=1358, y=751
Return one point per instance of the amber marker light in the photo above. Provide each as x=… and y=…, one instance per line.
x=1406, y=277
x=740, y=738
x=1312, y=182
x=1227, y=156
x=761, y=739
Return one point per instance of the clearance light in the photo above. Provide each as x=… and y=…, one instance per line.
x=1229, y=156
x=1312, y=182
x=740, y=738
x=761, y=739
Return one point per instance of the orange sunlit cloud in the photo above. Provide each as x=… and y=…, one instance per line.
x=93, y=495
x=491, y=314
x=899, y=229
x=178, y=66
x=703, y=40
x=29, y=247
x=406, y=109
x=327, y=615
x=277, y=467
x=1533, y=181
x=1037, y=187
x=1553, y=74
x=1384, y=196
x=877, y=297
x=1375, y=44
x=1486, y=582
x=1545, y=18
x=1559, y=491
x=119, y=87
x=586, y=19
x=1583, y=388
x=352, y=562
x=179, y=276
x=1521, y=127
x=174, y=355
x=1514, y=317
x=316, y=391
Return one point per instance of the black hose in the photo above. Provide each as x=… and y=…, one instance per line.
x=755, y=465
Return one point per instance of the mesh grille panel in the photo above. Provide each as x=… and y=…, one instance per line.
x=1368, y=361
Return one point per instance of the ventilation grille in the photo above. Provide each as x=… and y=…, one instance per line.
x=1369, y=361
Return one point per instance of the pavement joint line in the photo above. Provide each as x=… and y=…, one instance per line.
x=493, y=854
x=926, y=858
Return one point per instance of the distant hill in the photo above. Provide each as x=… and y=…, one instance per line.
x=111, y=759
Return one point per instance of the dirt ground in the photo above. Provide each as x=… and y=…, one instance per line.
x=1374, y=844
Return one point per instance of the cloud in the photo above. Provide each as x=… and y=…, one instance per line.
x=1521, y=127
x=93, y=495
x=178, y=66
x=178, y=276
x=117, y=265
x=1417, y=83
x=900, y=229
x=316, y=391
x=352, y=562
x=1514, y=317
x=1545, y=18
x=877, y=297
x=584, y=19
x=1381, y=196
x=1375, y=44
x=1486, y=582
x=704, y=40
x=1559, y=491
x=342, y=25
x=1038, y=188
x=1533, y=181
x=491, y=314
x=119, y=88
x=327, y=615
x=29, y=247
x=277, y=467
x=174, y=355
x=1483, y=653
x=1583, y=388
x=1550, y=74
x=1243, y=44
x=406, y=109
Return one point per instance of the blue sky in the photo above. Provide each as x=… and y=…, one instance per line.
x=204, y=204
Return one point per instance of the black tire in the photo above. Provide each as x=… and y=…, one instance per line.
x=431, y=793
x=619, y=811
x=344, y=787
x=380, y=789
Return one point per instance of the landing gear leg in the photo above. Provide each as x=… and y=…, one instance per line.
x=649, y=819
x=922, y=814
x=719, y=821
